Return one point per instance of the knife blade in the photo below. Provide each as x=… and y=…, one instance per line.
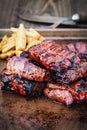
x=41, y=19
x=56, y=21
x=78, y=18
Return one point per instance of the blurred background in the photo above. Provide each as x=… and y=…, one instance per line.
x=9, y=10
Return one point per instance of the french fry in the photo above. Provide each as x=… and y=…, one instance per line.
x=18, y=53
x=14, y=30
x=33, y=33
x=21, y=38
x=3, y=42
x=14, y=35
x=30, y=33
x=7, y=54
x=19, y=41
x=10, y=45
x=32, y=42
x=41, y=38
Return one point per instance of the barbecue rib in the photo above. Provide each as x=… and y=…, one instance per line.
x=63, y=67
x=68, y=63
x=26, y=69
x=15, y=84
x=77, y=92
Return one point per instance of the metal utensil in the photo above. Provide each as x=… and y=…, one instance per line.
x=76, y=18
x=56, y=21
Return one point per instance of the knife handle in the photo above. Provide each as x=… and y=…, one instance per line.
x=80, y=18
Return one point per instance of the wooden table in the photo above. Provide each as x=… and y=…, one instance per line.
x=10, y=9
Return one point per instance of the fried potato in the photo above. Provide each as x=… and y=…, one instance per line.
x=32, y=42
x=29, y=33
x=14, y=36
x=19, y=41
x=7, y=54
x=3, y=42
x=18, y=53
x=33, y=33
x=41, y=38
x=9, y=45
x=21, y=38
x=14, y=30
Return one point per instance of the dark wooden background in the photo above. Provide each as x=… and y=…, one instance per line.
x=10, y=8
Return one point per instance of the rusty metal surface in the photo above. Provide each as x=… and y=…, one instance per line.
x=17, y=113
x=20, y=113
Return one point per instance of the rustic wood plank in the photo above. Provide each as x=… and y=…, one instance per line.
x=9, y=9
x=7, y=12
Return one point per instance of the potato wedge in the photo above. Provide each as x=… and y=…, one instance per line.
x=33, y=33
x=41, y=38
x=7, y=54
x=30, y=33
x=10, y=45
x=17, y=53
x=32, y=42
x=21, y=38
x=14, y=30
x=19, y=41
x=3, y=42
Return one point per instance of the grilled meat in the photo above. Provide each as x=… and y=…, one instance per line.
x=24, y=54
x=63, y=67
x=16, y=84
x=59, y=95
x=73, y=74
x=26, y=69
x=79, y=47
x=77, y=92
x=68, y=63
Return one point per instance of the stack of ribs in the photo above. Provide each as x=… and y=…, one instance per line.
x=60, y=71
x=24, y=77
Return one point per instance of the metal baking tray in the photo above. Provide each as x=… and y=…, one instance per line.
x=21, y=113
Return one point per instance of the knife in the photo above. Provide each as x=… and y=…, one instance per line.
x=76, y=18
